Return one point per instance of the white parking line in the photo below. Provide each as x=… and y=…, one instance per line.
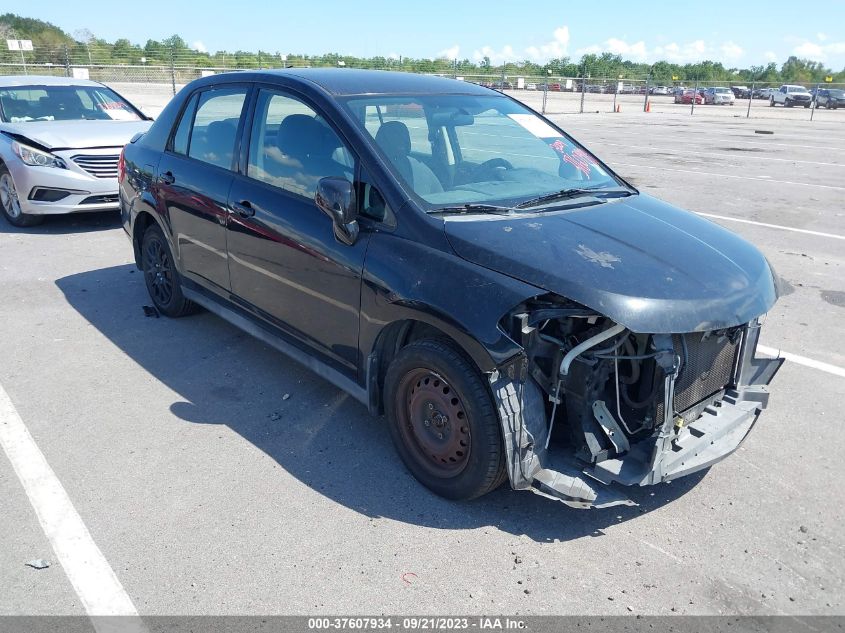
x=710, y=173
x=772, y=226
x=803, y=360
x=89, y=572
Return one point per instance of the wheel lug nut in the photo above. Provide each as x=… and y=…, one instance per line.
x=427, y=423
x=440, y=436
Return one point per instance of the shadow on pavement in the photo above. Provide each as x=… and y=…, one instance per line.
x=319, y=434
x=68, y=223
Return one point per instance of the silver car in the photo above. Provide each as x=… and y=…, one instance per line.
x=60, y=142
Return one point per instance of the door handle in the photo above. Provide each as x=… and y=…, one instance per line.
x=167, y=178
x=243, y=208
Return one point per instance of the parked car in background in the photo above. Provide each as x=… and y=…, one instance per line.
x=687, y=95
x=319, y=211
x=789, y=95
x=719, y=95
x=660, y=90
x=830, y=98
x=555, y=87
x=741, y=92
x=60, y=140
x=761, y=93
x=531, y=86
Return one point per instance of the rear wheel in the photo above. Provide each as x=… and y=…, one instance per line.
x=10, y=205
x=161, y=276
x=443, y=422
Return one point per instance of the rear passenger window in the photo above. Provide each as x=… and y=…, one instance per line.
x=292, y=147
x=183, y=132
x=215, y=129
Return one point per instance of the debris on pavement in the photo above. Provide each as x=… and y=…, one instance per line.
x=150, y=311
x=286, y=396
x=38, y=563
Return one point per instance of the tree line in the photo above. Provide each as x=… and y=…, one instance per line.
x=53, y=46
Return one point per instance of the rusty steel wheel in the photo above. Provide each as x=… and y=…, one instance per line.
x=435, y=422
x=442, y=420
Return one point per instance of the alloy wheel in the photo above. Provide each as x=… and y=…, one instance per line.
x=158, y=270
x=9, y=196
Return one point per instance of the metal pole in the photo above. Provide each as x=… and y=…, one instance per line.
x=67, y=62
x=815, y=101
x=694, y=97
x=615, y=94
x=645, y=102
x=23, y=59
x=750, y=97
x=583, y=87
x=545, y=94
x=172, y=72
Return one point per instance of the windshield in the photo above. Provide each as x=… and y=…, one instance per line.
x=19, y=104
x=836, y=93
x=454, y=150
x=721, y=90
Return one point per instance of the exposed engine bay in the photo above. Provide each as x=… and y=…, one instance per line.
x=591, y=403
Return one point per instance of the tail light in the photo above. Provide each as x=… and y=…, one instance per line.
x=121, y=167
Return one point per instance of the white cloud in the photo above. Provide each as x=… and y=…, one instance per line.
x=818, y=52
x=199, y=46
x=396, y=56
x=770, y=56
x=694, y=51
x=731, y=51
x=556, y=47
x=506, y=54
x=450, y=53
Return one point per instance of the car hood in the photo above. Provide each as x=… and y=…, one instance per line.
x=643, y=263
x=58, y=135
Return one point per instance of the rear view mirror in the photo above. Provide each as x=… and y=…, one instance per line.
x=336, y=198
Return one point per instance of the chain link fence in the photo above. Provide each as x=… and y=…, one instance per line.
x=150, y=82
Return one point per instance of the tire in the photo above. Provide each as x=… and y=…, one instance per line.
x=771, y=102
x=161, y=277
x=806, y=105
x=10, y=206
x=443, y=422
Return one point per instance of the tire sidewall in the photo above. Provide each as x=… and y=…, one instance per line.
x=482, y=420
x=24, y=219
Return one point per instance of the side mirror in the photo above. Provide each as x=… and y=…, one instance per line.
x=336, y=198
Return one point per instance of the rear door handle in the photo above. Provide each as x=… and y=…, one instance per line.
x=243, y=208
x=167, y=178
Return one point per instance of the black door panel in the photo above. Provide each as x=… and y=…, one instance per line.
x=196, y=203
x=285, y=262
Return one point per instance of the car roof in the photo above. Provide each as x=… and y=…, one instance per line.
x=354, y=81
x=9, y=81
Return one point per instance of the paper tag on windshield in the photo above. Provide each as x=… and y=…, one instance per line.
x=535, y=125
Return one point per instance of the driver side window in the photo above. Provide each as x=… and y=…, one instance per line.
x=292, y=147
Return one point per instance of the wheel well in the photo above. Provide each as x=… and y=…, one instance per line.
x=142, y=221
x=390, y=342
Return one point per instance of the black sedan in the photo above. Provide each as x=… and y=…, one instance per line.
x=830, y=98
x=451, y=258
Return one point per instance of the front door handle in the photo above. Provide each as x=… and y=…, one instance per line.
x=243, y=208
x=167, y=178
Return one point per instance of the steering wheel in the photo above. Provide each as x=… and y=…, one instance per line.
x=497, y=162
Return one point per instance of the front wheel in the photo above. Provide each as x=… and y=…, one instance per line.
x=10, y=205
x=161, y=276
x=443, y=422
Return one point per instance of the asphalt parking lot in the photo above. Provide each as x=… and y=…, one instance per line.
x=208, y=491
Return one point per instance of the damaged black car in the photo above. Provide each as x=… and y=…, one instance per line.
x=459, y=263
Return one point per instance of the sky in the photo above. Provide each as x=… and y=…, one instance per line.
x=736, y=33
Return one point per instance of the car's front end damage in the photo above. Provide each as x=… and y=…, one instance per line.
x=591, y=403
